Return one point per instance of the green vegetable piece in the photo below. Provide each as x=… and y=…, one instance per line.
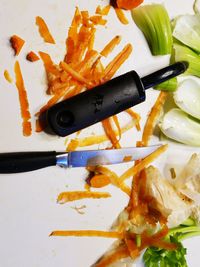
x=154, y=22
x=190, y=36
x=157, y=257
x=168, y=86
x=184, y=53
x=138, y=240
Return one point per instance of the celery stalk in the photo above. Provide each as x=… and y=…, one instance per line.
x=168, y=86
x=184, y=53
x=154, y=22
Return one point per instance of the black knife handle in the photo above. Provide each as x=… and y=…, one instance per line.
x=26, y=161
x=96, y=105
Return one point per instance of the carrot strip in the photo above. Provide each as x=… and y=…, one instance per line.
x=98, y=139
x=93, y=233
x=72, y=146
x=31, y=56
x=76, y=195
x=146, y=161
x=24, y=105
x=98, y=20
x=48, y=63
x=152, y=118
x=99, y=180
x=136, y=117
x=103, y=11
x=44, y=31
x=72, y=38
x=121, y=16
x=110, y=132
x=116, y=121
x=75, y=75
x=7, y=76
x=114, y=65
x=114, y=179
x=118, y=254
x=17, y=44
x=110, y=46
x=91, y=40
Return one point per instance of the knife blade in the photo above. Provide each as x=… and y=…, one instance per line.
x=28, y=161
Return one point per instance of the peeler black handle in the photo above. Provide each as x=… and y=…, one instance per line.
x=106, y=100
x=97, y=104
x=26, y=161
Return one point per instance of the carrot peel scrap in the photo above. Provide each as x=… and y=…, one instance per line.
x=44, y=31
x=76, y=195
x=31, y=56
x=16, y=43
x=86, y=233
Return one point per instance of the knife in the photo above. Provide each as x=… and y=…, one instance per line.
x=28, y=161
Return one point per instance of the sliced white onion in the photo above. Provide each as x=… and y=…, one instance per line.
x=178, y=125
x=187, y=97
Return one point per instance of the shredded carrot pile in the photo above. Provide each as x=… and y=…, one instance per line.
x=25, y=114
x=76, y=195
x=31, y=56
x=17, y=44
x=44, y=31
x=82, y=69
x=7, y=76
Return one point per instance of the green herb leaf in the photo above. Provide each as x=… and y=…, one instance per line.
x=157, y=257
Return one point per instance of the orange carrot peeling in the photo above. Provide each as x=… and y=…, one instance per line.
x=16, y=43
x=44, y=31
x=25, y=114
x=76, y=195
x=121, y=16
x=152, y=118
x=110, y=46
x=31, y=56
x=86, y=233
x=7, y=76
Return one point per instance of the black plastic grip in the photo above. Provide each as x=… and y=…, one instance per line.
x=96, y=105
x=26, y=161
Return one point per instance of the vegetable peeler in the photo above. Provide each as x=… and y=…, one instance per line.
x=103, y=101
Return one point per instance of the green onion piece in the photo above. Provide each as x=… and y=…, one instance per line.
x=168, y=86
x=154, y=22
x=184, y=53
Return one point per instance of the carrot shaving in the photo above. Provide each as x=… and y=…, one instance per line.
x=114, y=65
x=31, y=56
x=98, y=20
x=136, y=117
x=17, y=44
x=76, y=195
x=110, y=132
x=48, y=63
x=99, y=180
x=118, y=254
x=110, y=46
x=152, y=118
x=7, y=76
x=74, y=143
x=121, y=16
x=98, y=139
x=146, y=161
x=24, y=105
x=44, y=31
x=86, y=233
x=114, y=178
x=75, y=75
x=103, y=11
